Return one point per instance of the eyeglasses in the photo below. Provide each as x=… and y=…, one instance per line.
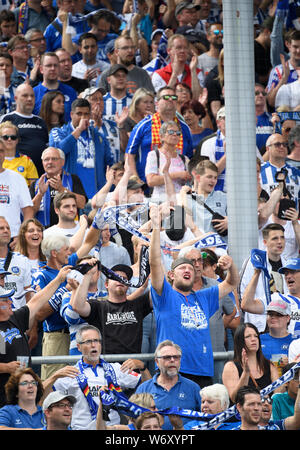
x=62, y=405
x=275, y=314
x=169, y=357
x=172, y=132
x=267, y=399
x=13, y=137
x=197, y=260
x=24, y=47
x=51, y=159
x=127, y=47
x=279, y=144
x=91, y=341
x=217, y=32
x=38, y=39
x=26, y=383
x=169, y=97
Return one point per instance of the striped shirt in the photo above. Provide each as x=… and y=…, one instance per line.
x=113, y=105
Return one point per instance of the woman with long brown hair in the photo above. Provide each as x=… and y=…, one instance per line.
x=249, y=366
x=53, y=109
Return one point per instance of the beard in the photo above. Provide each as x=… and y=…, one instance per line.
x=184, y=287
x=127, y=62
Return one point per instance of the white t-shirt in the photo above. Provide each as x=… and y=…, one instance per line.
x=81, y=417
x=177, y=165
x=79, y=68
x=55, y=229
x=288, y=95
x=20, y=269
x=14, y=195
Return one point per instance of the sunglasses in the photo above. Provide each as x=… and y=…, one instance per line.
x=217, y=32
x=169, y=97
x=260, y=93
x=267, y=400
x=172, y=132
x=13, y=137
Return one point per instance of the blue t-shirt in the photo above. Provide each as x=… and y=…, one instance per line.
x=14, y=416
x=184, y=394
x=275, y=346
x=185, y=321
x=68, y=92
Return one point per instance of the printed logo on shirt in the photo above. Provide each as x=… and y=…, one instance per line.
x=4, y=194
x=121, y=318
x=193, y=317
x=11, y=334
x=21, y=169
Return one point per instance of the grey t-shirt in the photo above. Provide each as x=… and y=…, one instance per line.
x=136, y=78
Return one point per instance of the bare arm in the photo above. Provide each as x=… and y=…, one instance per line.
x=232, y=278
x=79, y=295
x=156, y=267
x=249, y=303
x=40, y=299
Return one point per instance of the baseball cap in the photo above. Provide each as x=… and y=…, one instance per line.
x=110, y=46
x=221, y=113
x=90, y=91
x=134, y=184
x=55, y=397
x=115, y=69
x=5, y=293
x=179, y=261
x=185, y=5
x=123, y=268
x=192, y=35
x=4, y=272
x=291, y=264
x=279, y=306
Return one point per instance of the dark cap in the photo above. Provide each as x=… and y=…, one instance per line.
x=177, y=262
x=192, y=35
x=123, y=268
x=115, y=69
x=110, y=46
x=134, y=184
x=185, y=5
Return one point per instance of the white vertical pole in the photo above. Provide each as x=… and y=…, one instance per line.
x=240, y=127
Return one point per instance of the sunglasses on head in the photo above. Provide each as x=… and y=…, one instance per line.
x=13, y=137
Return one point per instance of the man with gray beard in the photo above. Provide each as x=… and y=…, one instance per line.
x=168, y=387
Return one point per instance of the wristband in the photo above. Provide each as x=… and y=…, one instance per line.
x=143, y=370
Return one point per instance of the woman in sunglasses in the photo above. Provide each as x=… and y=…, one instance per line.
x=14, y=160
x=170, y=134
x=24, y=390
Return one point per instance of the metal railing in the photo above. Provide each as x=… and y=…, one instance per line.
x=72, y=359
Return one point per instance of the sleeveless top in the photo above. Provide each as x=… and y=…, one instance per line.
x=262, y=382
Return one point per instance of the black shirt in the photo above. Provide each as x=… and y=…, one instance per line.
x=16, y=343
x=121, y=324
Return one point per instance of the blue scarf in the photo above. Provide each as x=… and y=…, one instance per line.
x=219, y=152
x=44, y=215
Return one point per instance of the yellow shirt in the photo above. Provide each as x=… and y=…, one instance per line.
x=24, y=166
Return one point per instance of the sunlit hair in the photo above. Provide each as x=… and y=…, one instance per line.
x=216, y=391
x=137, y=97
